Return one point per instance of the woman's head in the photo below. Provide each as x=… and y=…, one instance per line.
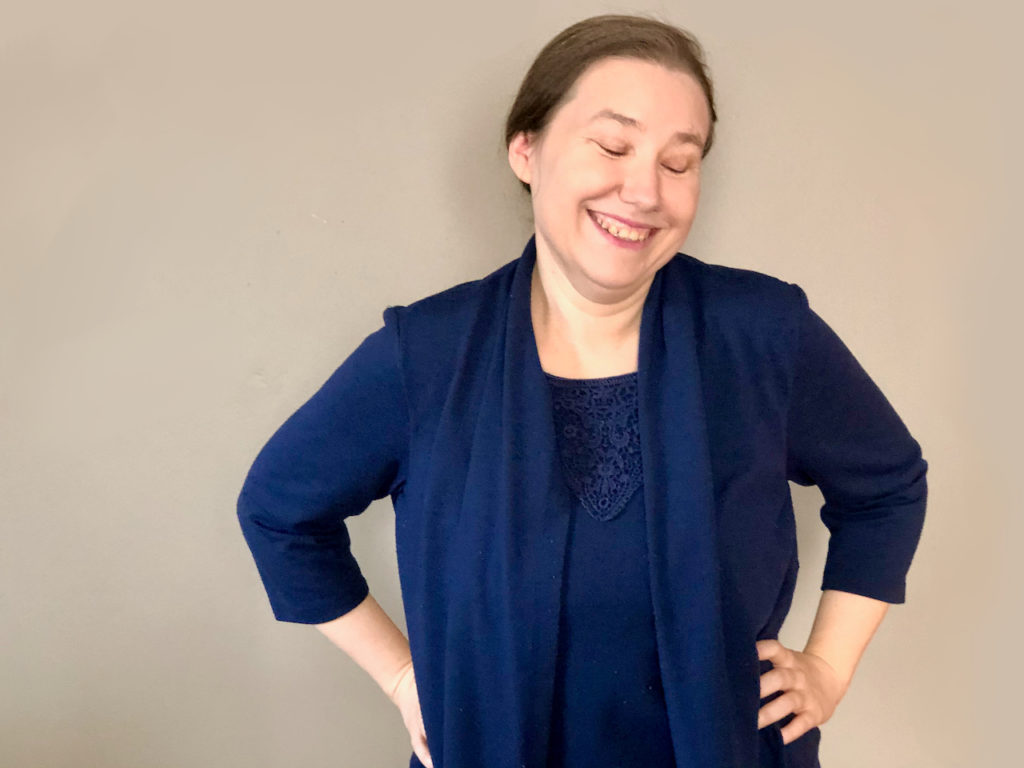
x=608, y=133
x=551, y=79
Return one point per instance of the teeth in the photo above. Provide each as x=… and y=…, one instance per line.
x=621, y=231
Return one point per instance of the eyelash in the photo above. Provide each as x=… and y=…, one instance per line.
x=613, y=153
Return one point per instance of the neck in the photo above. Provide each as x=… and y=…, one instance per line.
x=579, y=337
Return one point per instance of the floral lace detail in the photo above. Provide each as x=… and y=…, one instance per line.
x=598, y=430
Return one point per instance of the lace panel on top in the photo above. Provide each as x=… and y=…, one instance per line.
x=598, y=430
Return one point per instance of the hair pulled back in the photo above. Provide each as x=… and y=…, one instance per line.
x=552, y=77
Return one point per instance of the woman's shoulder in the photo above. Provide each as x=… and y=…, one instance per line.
x=435, y=331
x=736, y=291
x=461, y=300
x=720, y=277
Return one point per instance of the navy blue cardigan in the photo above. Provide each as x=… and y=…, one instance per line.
x=742, y=387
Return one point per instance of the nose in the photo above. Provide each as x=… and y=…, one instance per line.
x=641, y=184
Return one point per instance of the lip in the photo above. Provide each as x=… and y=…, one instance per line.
x=628, y=222
x=629, y=245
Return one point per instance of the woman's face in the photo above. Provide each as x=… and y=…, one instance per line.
x=623, y=154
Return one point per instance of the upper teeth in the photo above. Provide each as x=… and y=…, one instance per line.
x=620, y=230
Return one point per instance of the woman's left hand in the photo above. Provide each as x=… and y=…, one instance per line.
x=811, y=689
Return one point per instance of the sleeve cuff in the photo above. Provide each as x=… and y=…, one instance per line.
x=308, y=578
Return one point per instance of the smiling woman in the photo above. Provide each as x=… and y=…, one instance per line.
x=589, y=453
x=615, y=177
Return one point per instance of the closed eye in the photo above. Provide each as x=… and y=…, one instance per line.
x=614, y=153
x=611, y=152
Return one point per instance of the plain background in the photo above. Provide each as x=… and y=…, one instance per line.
x=205, y=207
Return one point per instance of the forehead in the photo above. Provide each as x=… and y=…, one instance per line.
x=649, y=92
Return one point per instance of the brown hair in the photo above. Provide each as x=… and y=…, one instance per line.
x=553, y=75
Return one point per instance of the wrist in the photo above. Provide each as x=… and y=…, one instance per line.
x=843, y=672
x=843, y=626
x=395, y=683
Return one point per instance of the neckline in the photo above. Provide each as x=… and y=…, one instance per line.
x=623, y=377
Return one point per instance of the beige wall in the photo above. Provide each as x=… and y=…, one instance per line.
x=203, y=209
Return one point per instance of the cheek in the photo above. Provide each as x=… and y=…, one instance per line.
x=582, y=175
x=685, y=199
x=565, y=200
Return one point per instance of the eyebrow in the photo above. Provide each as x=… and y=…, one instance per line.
x=683, y=136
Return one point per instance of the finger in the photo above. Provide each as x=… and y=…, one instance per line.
x=776, y=709
x=773, y=651
x=767, y=647
x=796, y=728
x=778, y=679
x=422, y=753
x=426, y=746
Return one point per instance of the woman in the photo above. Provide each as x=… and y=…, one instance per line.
x=588, y=452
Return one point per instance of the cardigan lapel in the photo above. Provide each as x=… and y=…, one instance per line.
x=524, y=526
x=540, y=502
x=681, y=530
x=521, y=523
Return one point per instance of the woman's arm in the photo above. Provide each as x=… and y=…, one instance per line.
x=346, y=446
x=372, y=640
x=843, y=627
x=845, y=437
x=812, y=682
x=369, y=636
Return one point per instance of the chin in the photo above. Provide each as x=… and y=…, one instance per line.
x=612, y=278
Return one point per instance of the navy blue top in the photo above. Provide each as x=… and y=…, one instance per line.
x=741, y=389
x=609, y=705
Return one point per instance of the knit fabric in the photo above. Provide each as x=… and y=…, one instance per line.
x=609, y=704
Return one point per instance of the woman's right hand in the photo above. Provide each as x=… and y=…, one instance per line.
x=406, y=698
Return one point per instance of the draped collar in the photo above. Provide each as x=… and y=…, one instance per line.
x=500, y=560
x=679, y=507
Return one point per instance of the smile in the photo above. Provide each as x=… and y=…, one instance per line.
x=619, y=230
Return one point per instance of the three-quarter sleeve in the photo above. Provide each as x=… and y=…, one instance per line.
x=845, y=437
x=343, y=448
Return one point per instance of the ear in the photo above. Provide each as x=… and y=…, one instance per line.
x=521, y=155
